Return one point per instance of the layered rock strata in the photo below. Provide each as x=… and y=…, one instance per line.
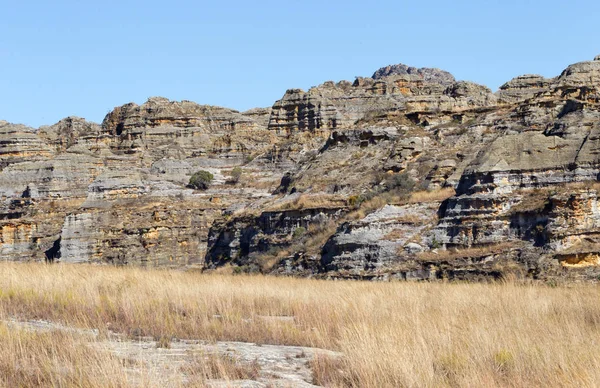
x=409, y=174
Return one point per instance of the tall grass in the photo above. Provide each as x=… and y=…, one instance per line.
x=390, y=334
x=56, y=359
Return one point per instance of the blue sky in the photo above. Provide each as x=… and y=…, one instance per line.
x=83, y=58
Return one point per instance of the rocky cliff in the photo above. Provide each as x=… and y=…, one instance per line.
x=408, y=174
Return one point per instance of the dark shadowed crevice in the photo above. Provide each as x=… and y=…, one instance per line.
x=26, y=193
x=120, y=128
x=53, y=253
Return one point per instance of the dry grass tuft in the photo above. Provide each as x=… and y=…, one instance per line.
x=220, y=367
x=473, y=252
x=432, y=196
x=532, y=201
x=586, y=185
x=54, y=359
x=310, y=201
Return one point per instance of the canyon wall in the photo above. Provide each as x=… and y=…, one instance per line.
x=408, y=174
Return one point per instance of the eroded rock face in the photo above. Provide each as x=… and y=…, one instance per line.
x=332, y=106
x=517, y=171
x=74, y=130
x=163, y=129
x=241, y=240
x=522, y=88
x=526, y=184
x=371, y=245
x=409, y=174
x=80, y=192
x=159, y=111
x=145, y=232
x=427, y=74
x=19, y=143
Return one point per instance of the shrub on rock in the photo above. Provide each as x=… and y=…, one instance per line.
x=201, y=180
x=235, y=175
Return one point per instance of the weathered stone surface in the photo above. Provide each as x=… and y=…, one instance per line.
x=144, y=360
x=19, y=143
x=547, y=141
x=240, y=240
x=259, y=115
x=145, y=232
x=79, y=192
x=343, y=105
x=522, y=88
x=159, y=111
x=375, y=242
x=581, y=74
x=524, y=185
x=74, y=130
x=160, y=129
x=427, y=74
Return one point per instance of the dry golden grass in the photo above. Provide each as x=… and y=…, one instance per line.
x=55, y=359
x=432, y=196
x=310, y=201
x=259, y=182
x=375, y=203
x=453, y=253
x=219, y=367
x=586, y=185
x=395, y=234
x=390, y=334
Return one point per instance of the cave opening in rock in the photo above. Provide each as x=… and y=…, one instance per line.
x=53, y=253
x=120, y=128
x=26, y=193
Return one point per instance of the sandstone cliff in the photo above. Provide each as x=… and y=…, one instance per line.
x=408, y=174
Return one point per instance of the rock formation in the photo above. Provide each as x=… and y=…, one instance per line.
x=409, y=174
x=427, y=74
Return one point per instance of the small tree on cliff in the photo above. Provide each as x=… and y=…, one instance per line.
x=235, y=175
x=201, y=180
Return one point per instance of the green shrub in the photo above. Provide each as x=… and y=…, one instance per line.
x=435, y=244
x=299, y=232
x=235, y=175
x=401, y=182
x=354, y=201
x=201, y=180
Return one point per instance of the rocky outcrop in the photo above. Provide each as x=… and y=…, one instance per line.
x=259, y=115
x=145, y=232
x=159, y=111
x=19, y=143
x=74, y=130
x=80, y=192
x=373, y=244
x=524, y=185
x=517, y=189
x=344, y=105
x=582, y=74
x=163, y=129
x=522, y=88
x=409, y=174
x=427, y=74
x=243, y=240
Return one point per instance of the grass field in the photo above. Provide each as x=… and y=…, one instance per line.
x=390, y=334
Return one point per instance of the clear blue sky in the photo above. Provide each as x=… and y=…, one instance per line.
x=61, y=58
